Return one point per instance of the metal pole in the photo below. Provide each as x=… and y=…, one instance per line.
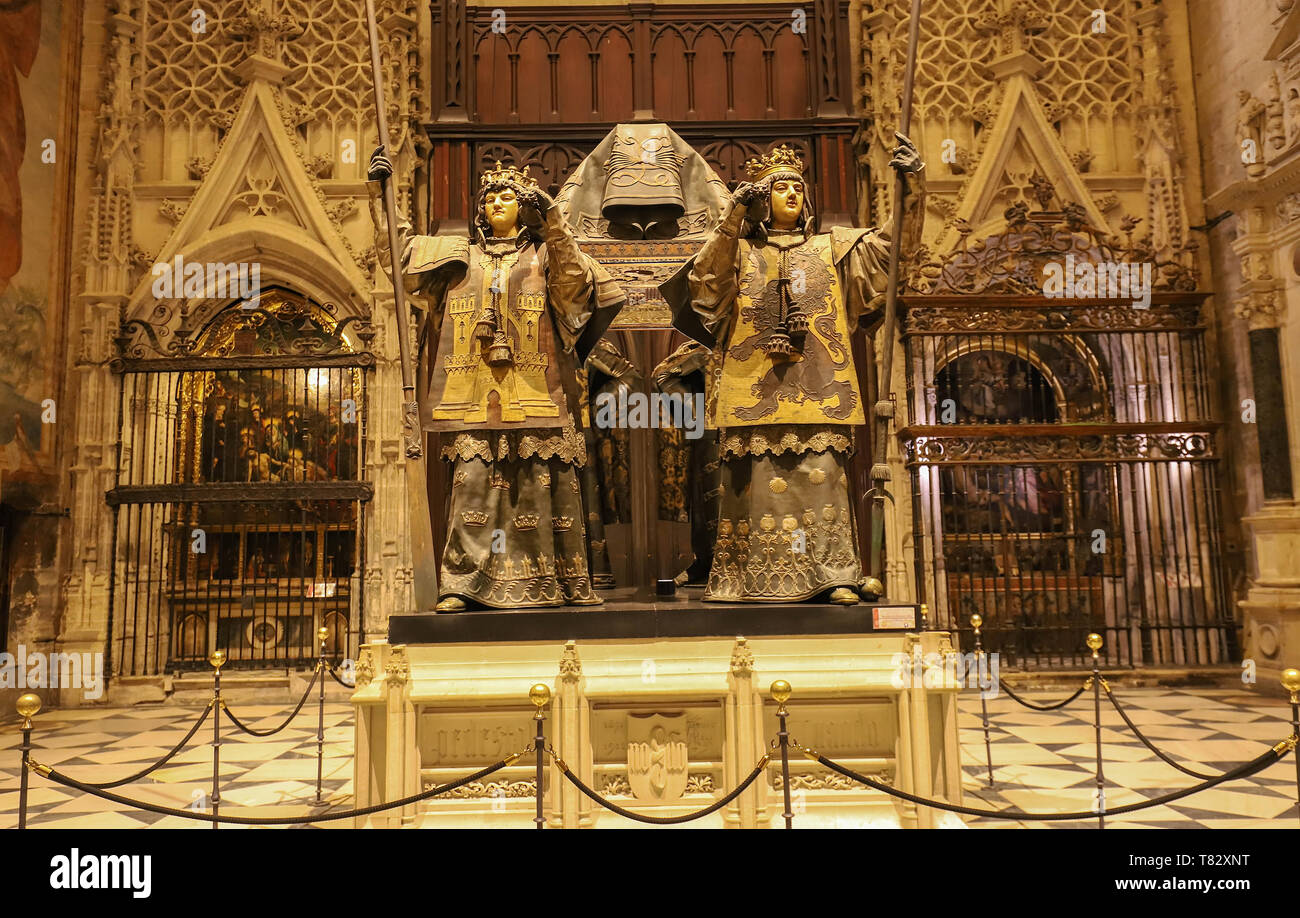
x=1094, y=644
x=884, y=410
x=781, y=694
x=28, y=706
x=976, y=621
x=540, y=695
x=216, y=659
x=1291, y=682
x=321, y=633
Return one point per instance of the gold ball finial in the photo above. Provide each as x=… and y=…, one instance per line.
x=540, y=695
x=322, y=633
x=29, y=705
x=976, y=621
x=1094, y=642
x=1290, y=681
x=781, y=691
x=217, y=659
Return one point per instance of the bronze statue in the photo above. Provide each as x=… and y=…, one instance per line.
x=510, y=315
x=778, y=302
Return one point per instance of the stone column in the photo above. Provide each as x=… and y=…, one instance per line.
x=570, y=735
x=1272, y=606
x=744, y=743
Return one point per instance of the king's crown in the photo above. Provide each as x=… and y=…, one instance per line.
x=782, y=159
x=507, y=176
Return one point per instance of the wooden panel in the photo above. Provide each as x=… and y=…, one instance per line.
x=534, y=80
x=749, y=94
x=669, y=76
x=790, y=76
x=573, y=89
x=614, y=80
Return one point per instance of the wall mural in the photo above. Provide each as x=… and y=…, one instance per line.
x=29, y=82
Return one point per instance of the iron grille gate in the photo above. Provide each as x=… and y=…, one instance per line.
x=237, y=506
x=1064, y=479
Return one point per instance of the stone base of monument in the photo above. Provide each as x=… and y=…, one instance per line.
x=661, y=707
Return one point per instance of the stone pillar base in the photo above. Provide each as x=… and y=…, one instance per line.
x=1272, y=608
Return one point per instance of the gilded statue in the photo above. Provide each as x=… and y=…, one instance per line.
x=509, y=314
x=778, y=302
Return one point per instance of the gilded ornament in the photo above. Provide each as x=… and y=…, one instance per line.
x=777, y=485
x=816, y=476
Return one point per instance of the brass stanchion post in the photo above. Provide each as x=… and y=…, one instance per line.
x=216, y=659
x=540, y=696
x=976, y=621
x=28, y=706
x=781, y=694
x=1291, y=682
x=321, y=634
x=1094, y=644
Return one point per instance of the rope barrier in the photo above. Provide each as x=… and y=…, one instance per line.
x=660, y=820
x=131, y=779
x=1145, y=742
x=1258, y=764
x=301, y=701
x=333, y=671
x=60, y=778
x=1041, y=707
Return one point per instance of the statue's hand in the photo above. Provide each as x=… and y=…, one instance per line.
x=381, y=167
x=747, y=193
x=906, y=159
x=534, y=206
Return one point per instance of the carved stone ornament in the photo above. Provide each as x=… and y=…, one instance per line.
x=398, y=668
x=364, y=673
x=570, y=665
x=742, y=658
x=657, y=757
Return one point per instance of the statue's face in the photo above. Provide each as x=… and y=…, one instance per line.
x=786, y=202
x=501, y=209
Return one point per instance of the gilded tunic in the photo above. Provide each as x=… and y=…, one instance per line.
x=515, y=532
x=786, y=528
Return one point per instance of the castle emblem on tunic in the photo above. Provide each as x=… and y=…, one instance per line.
x=657, y=757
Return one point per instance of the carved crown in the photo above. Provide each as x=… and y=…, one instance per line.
x=526, y=521
x=474, y=517
x=782, y=159
x=507, y=176
x=562, y=523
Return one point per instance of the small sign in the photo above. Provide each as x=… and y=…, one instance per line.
x=887, y=617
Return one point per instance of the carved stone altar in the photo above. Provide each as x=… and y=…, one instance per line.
x=659, y=707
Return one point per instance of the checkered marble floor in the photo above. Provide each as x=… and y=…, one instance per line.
x=271, y=776
x=1042, y=761
x=1045, y=761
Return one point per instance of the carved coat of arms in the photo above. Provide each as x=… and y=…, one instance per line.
x=657, y=756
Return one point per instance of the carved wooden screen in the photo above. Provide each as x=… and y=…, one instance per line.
x=541, y=85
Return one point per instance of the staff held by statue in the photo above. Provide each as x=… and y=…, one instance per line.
x=884, y=411
x=423, y=567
